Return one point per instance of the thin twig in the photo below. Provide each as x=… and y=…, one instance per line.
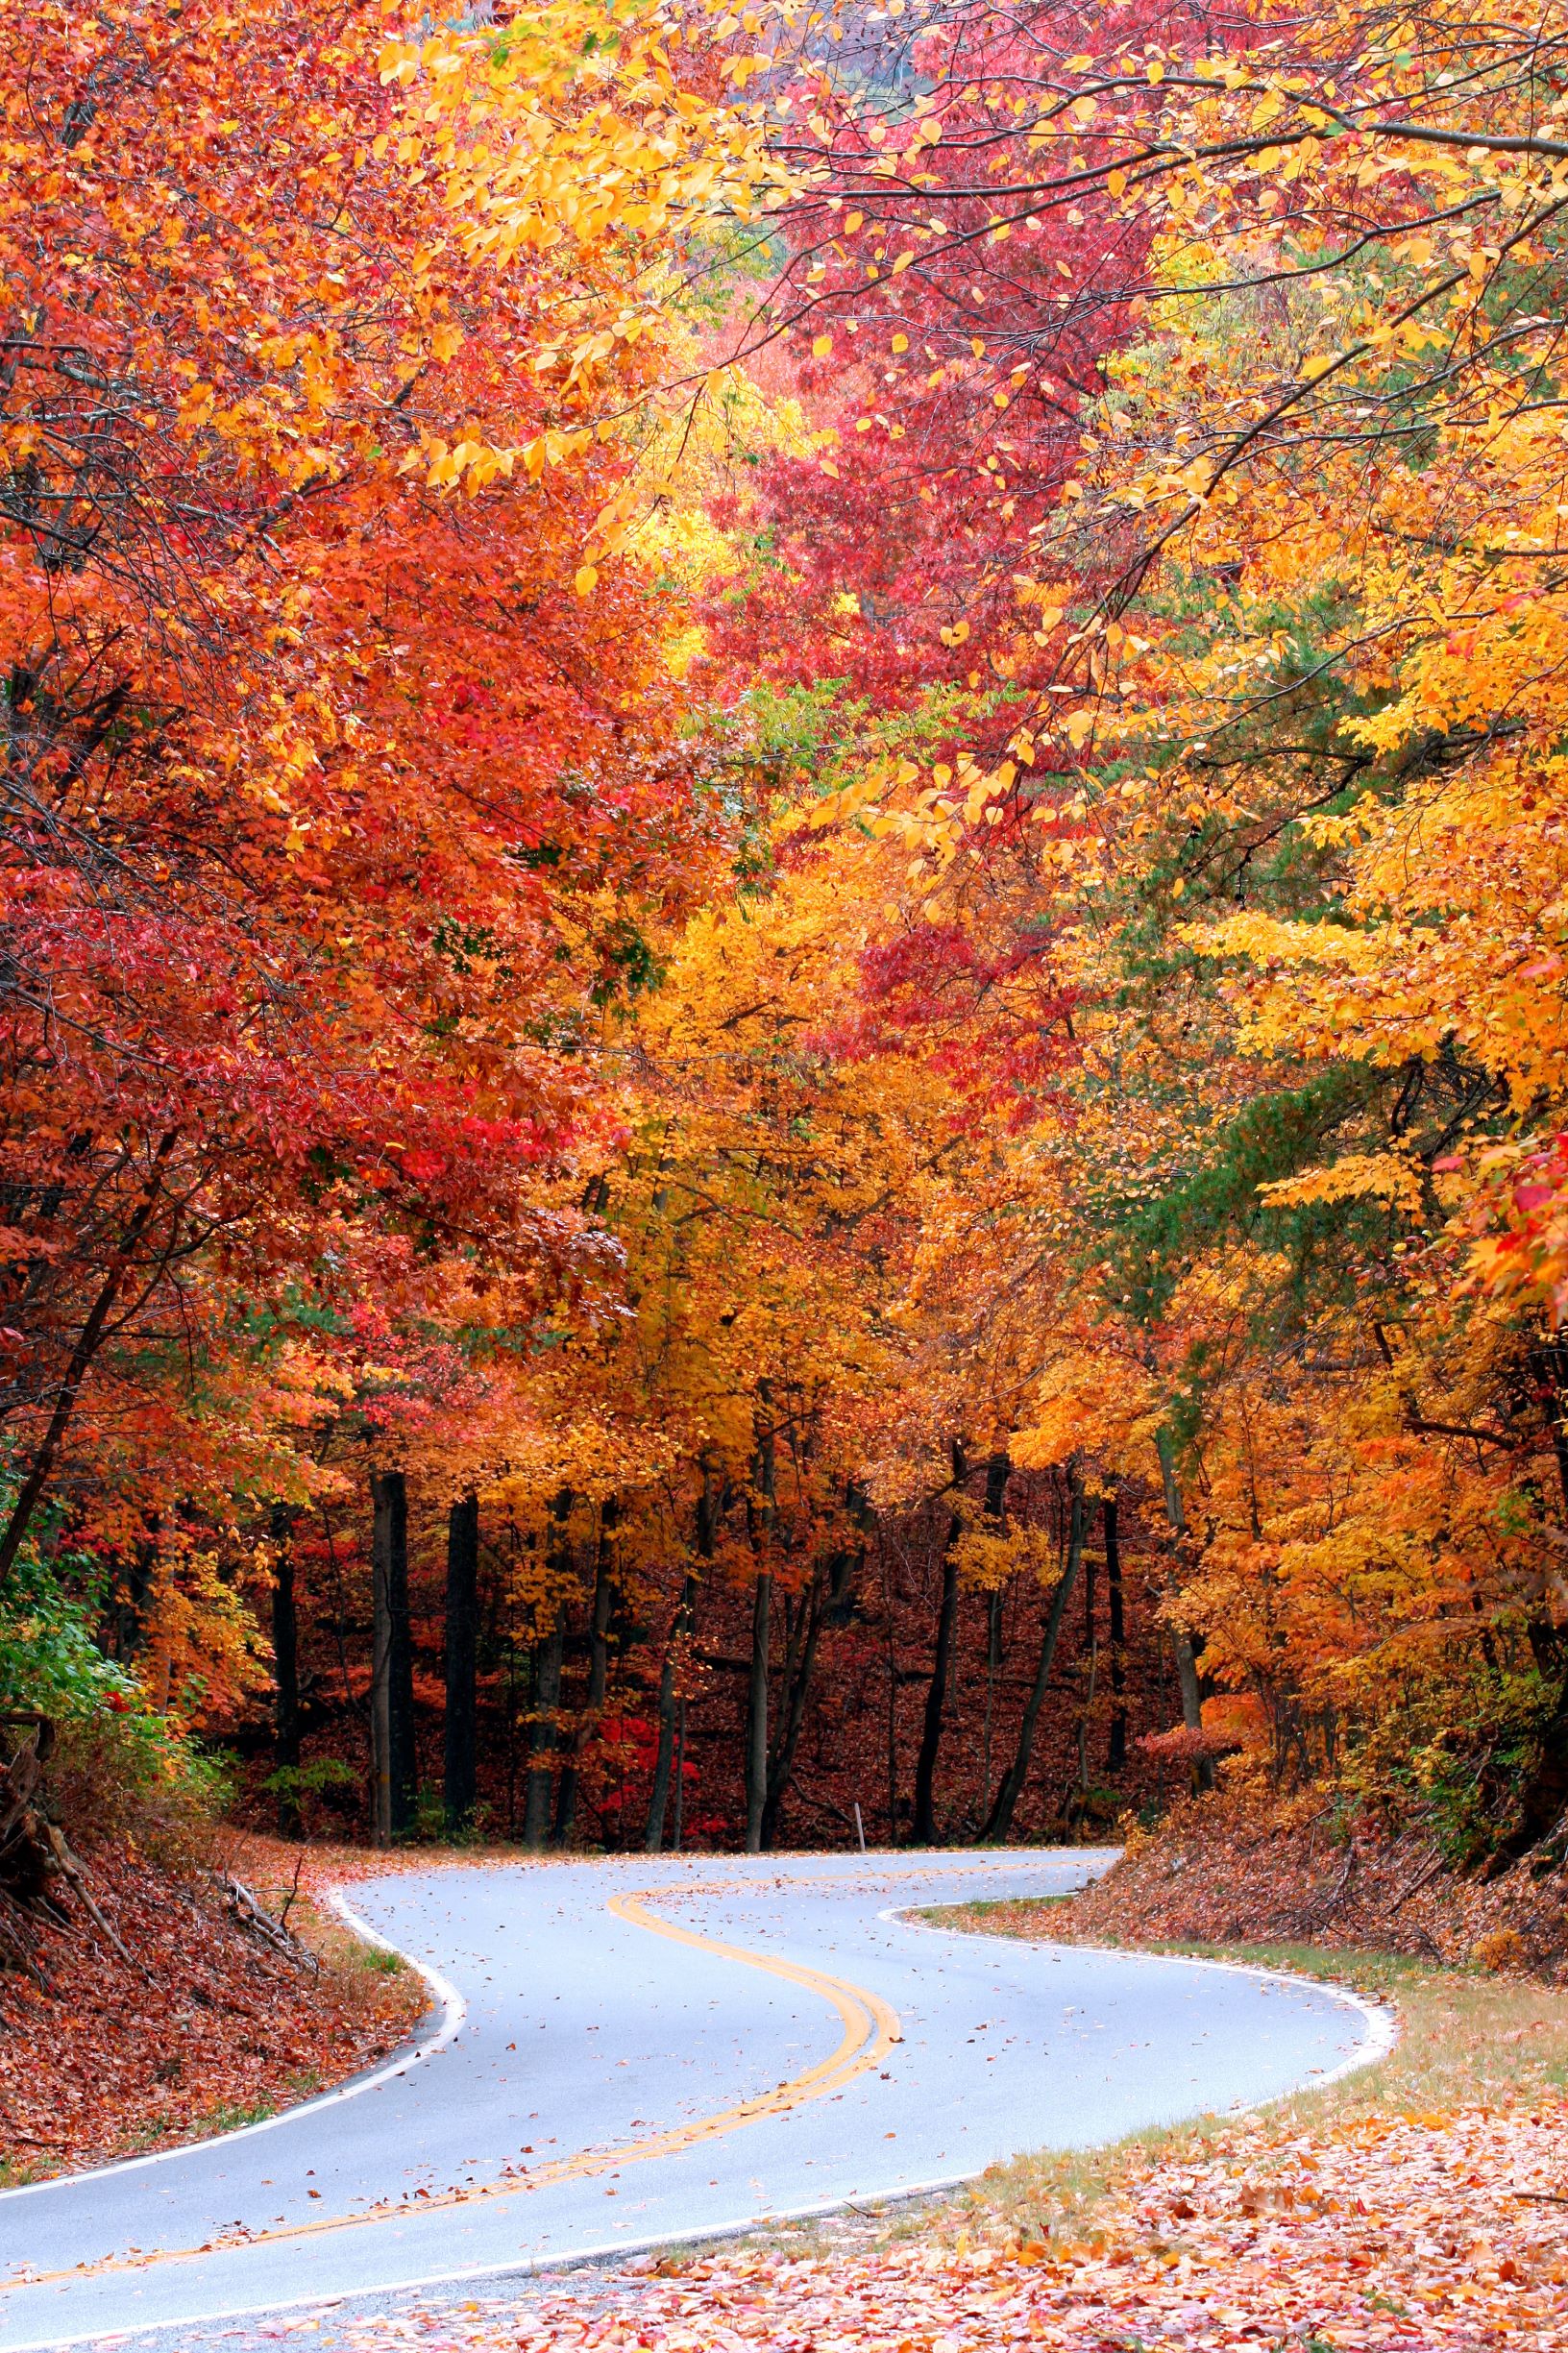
x=1428, y=1871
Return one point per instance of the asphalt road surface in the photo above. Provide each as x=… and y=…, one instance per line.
x=627, y=2052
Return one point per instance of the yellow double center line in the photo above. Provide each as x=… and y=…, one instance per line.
x=871, y=2029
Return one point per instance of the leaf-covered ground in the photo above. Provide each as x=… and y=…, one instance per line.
x=211, y=2030
x=1415, y=2233
x=1223, y=1870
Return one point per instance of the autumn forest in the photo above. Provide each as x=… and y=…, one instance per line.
x=783, y=1039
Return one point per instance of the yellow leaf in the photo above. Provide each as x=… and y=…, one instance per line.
x=586, y=581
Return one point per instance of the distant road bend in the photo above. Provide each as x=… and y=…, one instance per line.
x=632, y=2050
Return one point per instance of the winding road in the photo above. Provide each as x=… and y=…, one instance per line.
x=632, y=2052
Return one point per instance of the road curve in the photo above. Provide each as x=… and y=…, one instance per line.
x=629, y=2051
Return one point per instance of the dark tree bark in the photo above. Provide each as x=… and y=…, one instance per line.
x=891, y=1652
x=547, y=1699
x=847, y=1564
x=800, y=1660
x=1117, y=1755
x=546, y=1688
x=680, y=1772
x=756, y=1713
x=680, y=1628
x=998, y=1470
x=89, y=1340
x=1000, y=1819
x=460, y=1761
x=1187, y=1663
x=994, y=1661
x=285, y=1669
x=599, y=1669
x=923, y=1829
x=392, y=1662
x=710, y=1502
x=760, y=1513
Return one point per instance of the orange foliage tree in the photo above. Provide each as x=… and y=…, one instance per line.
x=714, y=935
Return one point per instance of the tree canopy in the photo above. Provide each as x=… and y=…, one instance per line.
x=782, y=1018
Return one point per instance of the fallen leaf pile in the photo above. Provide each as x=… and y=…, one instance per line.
x=1411, y=2233
x=210, y=2028
x=1223, y=1870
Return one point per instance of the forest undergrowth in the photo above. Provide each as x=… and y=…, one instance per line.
x=189, y=2023
x=1250, y=1868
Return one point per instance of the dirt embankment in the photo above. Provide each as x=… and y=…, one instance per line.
x=196, y=2026
x=1227, y=1870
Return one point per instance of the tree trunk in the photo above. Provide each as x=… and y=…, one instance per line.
x=392, y=1664
x=88, y=1343
x=460, y=1779
x=709, y=1507
x=1187, y=1664
x=546, y=1688
x=756, y=1714
x=128, y=1621
x=547, y=1699
x=998, y=1470
x=993, y=1660
x=285, y=1669
x=680, y=1772
x=1000, y=1820
x=599, y=1669
x=890, y=1596
x=923, y=1831
x=1088, y=1707
x=1117, y=1755
x=760, y=1514
x=680, y=1626
x=801, y=1657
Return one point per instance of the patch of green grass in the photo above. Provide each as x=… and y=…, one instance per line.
x=147, y=2136
x=982, y=1911
x=233, y=2115
x=378, y=1961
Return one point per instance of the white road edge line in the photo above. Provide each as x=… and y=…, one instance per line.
x=1382, y=2035
x=454, y=2013
x=1381, y=2020
x=580, y=2259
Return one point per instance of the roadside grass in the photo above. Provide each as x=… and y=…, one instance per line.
x=227, y=2116
x=339, y=1948
x=177, y=2131
x=1467, y=2040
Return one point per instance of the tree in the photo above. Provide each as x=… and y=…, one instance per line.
x=460, y=1624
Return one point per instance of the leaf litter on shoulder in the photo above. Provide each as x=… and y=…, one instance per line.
x=1422, y=2203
